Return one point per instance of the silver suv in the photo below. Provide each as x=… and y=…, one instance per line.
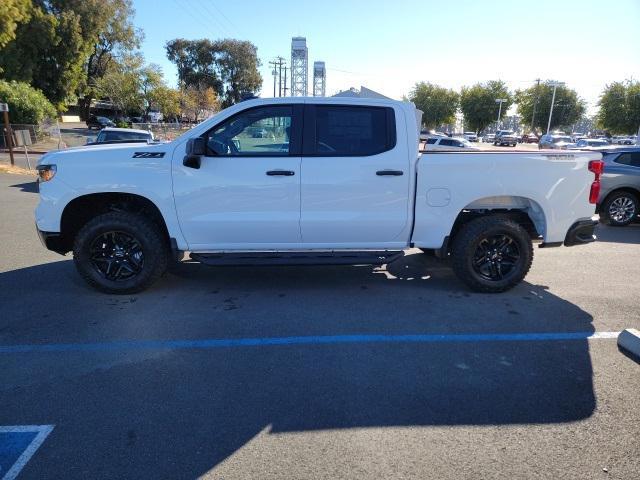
x=556, y=142
x=505, y=137
x=619, y=202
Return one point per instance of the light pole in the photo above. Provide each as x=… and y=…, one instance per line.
x=555, y=85
x=500, y=101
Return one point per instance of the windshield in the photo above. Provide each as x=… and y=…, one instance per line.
x=110, y=136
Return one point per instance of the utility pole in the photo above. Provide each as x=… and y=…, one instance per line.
x=500, y=101
x=4, y=108
x=555, y=85
x=535, y=105
x=274, y=72
x=277, y=65
x=285, y=81
x=281, y=63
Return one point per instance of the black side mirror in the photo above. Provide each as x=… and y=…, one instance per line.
x=196, y=148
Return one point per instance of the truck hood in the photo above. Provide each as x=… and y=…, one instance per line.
x=119, y=150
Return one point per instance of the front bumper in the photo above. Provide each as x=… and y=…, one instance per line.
x=53, y=241
x=581, y=232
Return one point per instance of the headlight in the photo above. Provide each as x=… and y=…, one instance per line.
x=46, y=172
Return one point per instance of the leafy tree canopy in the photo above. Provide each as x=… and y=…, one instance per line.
x=229, y=67
x=58, y=49
x=620, y=107
x=26, y=104
x=438, y=104
x=568, y=107
x=479, y=106
x=12, y=12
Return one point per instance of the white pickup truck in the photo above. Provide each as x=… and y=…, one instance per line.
x=310, y=181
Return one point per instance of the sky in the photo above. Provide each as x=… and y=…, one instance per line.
x=388, y=46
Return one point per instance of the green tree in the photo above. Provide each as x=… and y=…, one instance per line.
x=53, y=50
x=238, y=69
x=116, y=37
x=166, y=100
x=229, y=67
x=439, y=104
x=26, y=104
x=122, y=84
x=568, y=107
x=48, y=53
x=12, y=13
x=620, y=107
x=198, y=101
x=478, y=104
x=150, y=80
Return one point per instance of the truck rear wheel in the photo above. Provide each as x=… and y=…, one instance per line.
x=120, y=252
x=492, y=254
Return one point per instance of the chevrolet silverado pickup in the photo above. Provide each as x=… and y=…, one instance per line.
x=308, y=181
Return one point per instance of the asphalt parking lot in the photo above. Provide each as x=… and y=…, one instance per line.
x=320, y=372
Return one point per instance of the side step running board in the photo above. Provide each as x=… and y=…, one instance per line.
x=298, y=258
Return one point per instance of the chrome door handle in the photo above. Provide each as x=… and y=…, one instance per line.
x=389, y=173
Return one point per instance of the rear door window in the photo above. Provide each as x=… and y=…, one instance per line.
x=348, y=130
x=632, y=159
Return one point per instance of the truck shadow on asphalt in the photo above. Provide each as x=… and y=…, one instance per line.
x=179, y=413
x=628, y=234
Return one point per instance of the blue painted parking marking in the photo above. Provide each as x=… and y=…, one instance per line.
x=18, y=443
x=309, y=340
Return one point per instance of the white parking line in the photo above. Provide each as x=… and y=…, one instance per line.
x=42, y=432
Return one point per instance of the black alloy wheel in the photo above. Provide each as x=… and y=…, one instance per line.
x=496, y=257
x=117, y=256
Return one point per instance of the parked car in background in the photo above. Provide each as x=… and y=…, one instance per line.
x=590, y=142
x=122, y=135
x=619, y=200
x=446, y=143
x=98, y=122
x=506, y=137
x=489, y=138
x=471, y=136
x=530, y=138
x=626, y=141
x=556, y=142
x=424, y=134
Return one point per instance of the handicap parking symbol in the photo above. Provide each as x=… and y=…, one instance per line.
x=18, y=443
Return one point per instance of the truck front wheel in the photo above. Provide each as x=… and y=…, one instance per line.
x=120, y=252
x=492, y=254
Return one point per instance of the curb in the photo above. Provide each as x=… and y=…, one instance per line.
x=629, y=342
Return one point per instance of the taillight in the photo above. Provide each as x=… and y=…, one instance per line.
x=597, y=167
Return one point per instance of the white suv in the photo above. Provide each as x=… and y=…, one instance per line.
x=447, y=143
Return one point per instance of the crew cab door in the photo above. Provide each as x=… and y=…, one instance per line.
x=355, y=177
x=246, y=192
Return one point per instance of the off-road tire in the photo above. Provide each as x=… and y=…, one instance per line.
x=150, y=238
x=467, y=241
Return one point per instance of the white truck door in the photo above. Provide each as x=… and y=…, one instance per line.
x=246, y=193
x=355, y=177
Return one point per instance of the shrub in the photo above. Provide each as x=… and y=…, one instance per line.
x=26, y=104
